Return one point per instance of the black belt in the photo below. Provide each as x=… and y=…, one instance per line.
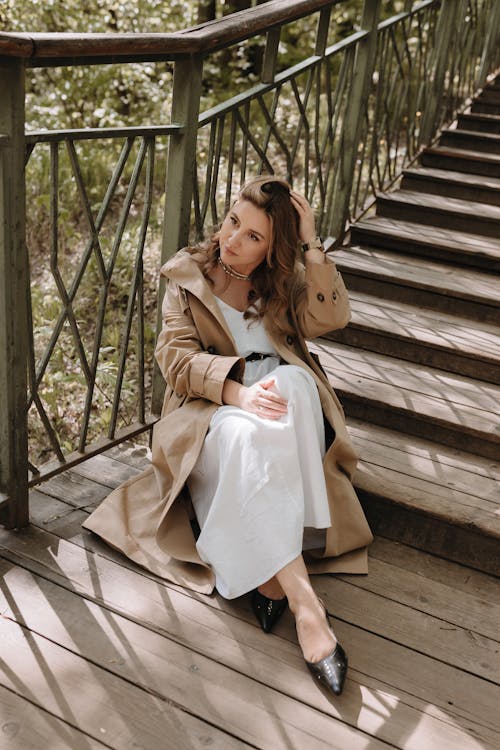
x=254, y=356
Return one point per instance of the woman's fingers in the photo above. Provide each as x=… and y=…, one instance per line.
x=306, y=215
x=260, y=400
x=271, y=397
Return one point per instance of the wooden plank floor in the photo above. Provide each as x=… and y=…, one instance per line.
x=97, y=653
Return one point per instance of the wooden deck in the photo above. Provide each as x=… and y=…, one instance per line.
x=97, y=653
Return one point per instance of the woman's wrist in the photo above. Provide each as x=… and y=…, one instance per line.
x=232, y=392
x=314, y=242
x=313, y=250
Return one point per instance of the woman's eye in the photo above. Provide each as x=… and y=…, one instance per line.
x=254, y=237
x=232, y=219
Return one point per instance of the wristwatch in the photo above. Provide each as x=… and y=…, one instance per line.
x=314, y=244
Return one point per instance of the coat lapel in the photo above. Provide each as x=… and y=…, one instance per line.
x=184, y=269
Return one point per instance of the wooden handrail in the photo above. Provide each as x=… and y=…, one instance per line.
x=48, y=48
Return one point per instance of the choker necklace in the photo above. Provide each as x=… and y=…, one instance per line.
x=231, y=272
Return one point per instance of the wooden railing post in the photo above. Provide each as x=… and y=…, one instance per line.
x=444, y=38
x=179, y=181
x=351, y=131
x=13, y=300
x=490, y=54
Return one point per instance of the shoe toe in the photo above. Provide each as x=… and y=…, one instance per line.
x=331, y=671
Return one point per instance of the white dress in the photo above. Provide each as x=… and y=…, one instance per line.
x=258, y=487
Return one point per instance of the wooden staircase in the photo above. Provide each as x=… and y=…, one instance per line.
x=418, y=367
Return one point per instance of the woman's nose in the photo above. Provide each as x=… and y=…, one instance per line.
x=235, y=236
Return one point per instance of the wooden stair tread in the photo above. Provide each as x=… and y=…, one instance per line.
x=476, y=244
x=413, y=272
x=472, y=120
x=425, y=395
x=452, y=206
x=462, y=153
x=447, y=175
x=480, y=116
x=458, y=487
x=489, y=95
x=472, y=135
x=479, y=341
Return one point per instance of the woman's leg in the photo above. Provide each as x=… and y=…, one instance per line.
x=315, y=636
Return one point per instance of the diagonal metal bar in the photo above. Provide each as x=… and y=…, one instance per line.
x=56, y=447
x=83, y=265
x=273, y=128
x=54, y=210
x=103, y=295
x=254, y=143
x=217, y=160
x=135, y=294
x=96, y=244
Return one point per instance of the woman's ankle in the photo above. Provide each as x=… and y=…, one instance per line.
x=316, y=639
x=271, y=589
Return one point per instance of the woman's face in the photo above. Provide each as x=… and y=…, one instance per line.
x=245, y=236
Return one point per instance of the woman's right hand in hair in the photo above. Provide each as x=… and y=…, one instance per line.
x=257, y=399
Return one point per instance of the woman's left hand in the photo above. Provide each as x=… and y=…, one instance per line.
x=307, y=226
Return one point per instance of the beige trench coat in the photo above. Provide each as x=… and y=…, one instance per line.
x=148, y=517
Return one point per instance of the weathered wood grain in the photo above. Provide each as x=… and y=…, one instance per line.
x=149, y=606
x=98, y=702
x=448, y=281
x=447, y=468
x=452, y=409
x=458, y=578
x=450, y=333
x=24, y=726
x=39, y=602
x=130, y=46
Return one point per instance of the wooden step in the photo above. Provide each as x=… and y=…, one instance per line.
x=452, y=184
x=489, y=94
x=434, y=498
x=465, y=292
x=485, y=107
x=461, y=160
x=456, y=411
x=423, y=336
x=439, y=211
x=479, y=122
x=427, y=241
x=470, y=140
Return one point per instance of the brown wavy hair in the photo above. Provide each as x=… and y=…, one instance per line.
x=275, y=281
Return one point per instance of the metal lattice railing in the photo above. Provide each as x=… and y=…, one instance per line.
x=341, y=123
x=291, y=127
x=398, y=96
x=93, y=273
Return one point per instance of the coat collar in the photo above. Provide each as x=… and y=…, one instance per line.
x=184, y=268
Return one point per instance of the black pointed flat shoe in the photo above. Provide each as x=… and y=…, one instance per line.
x=330, y=672
x=267, y=611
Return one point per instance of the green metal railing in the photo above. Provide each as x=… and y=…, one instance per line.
x=341, y=124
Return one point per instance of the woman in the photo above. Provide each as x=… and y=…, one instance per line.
x=250, y=426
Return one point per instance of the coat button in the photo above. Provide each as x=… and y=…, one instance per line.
x=334, y=295
x=321, y=297
x=289, y=340
x=211, y=349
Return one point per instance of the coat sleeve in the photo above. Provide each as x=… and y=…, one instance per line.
x=187, y=368
x=323, y=304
